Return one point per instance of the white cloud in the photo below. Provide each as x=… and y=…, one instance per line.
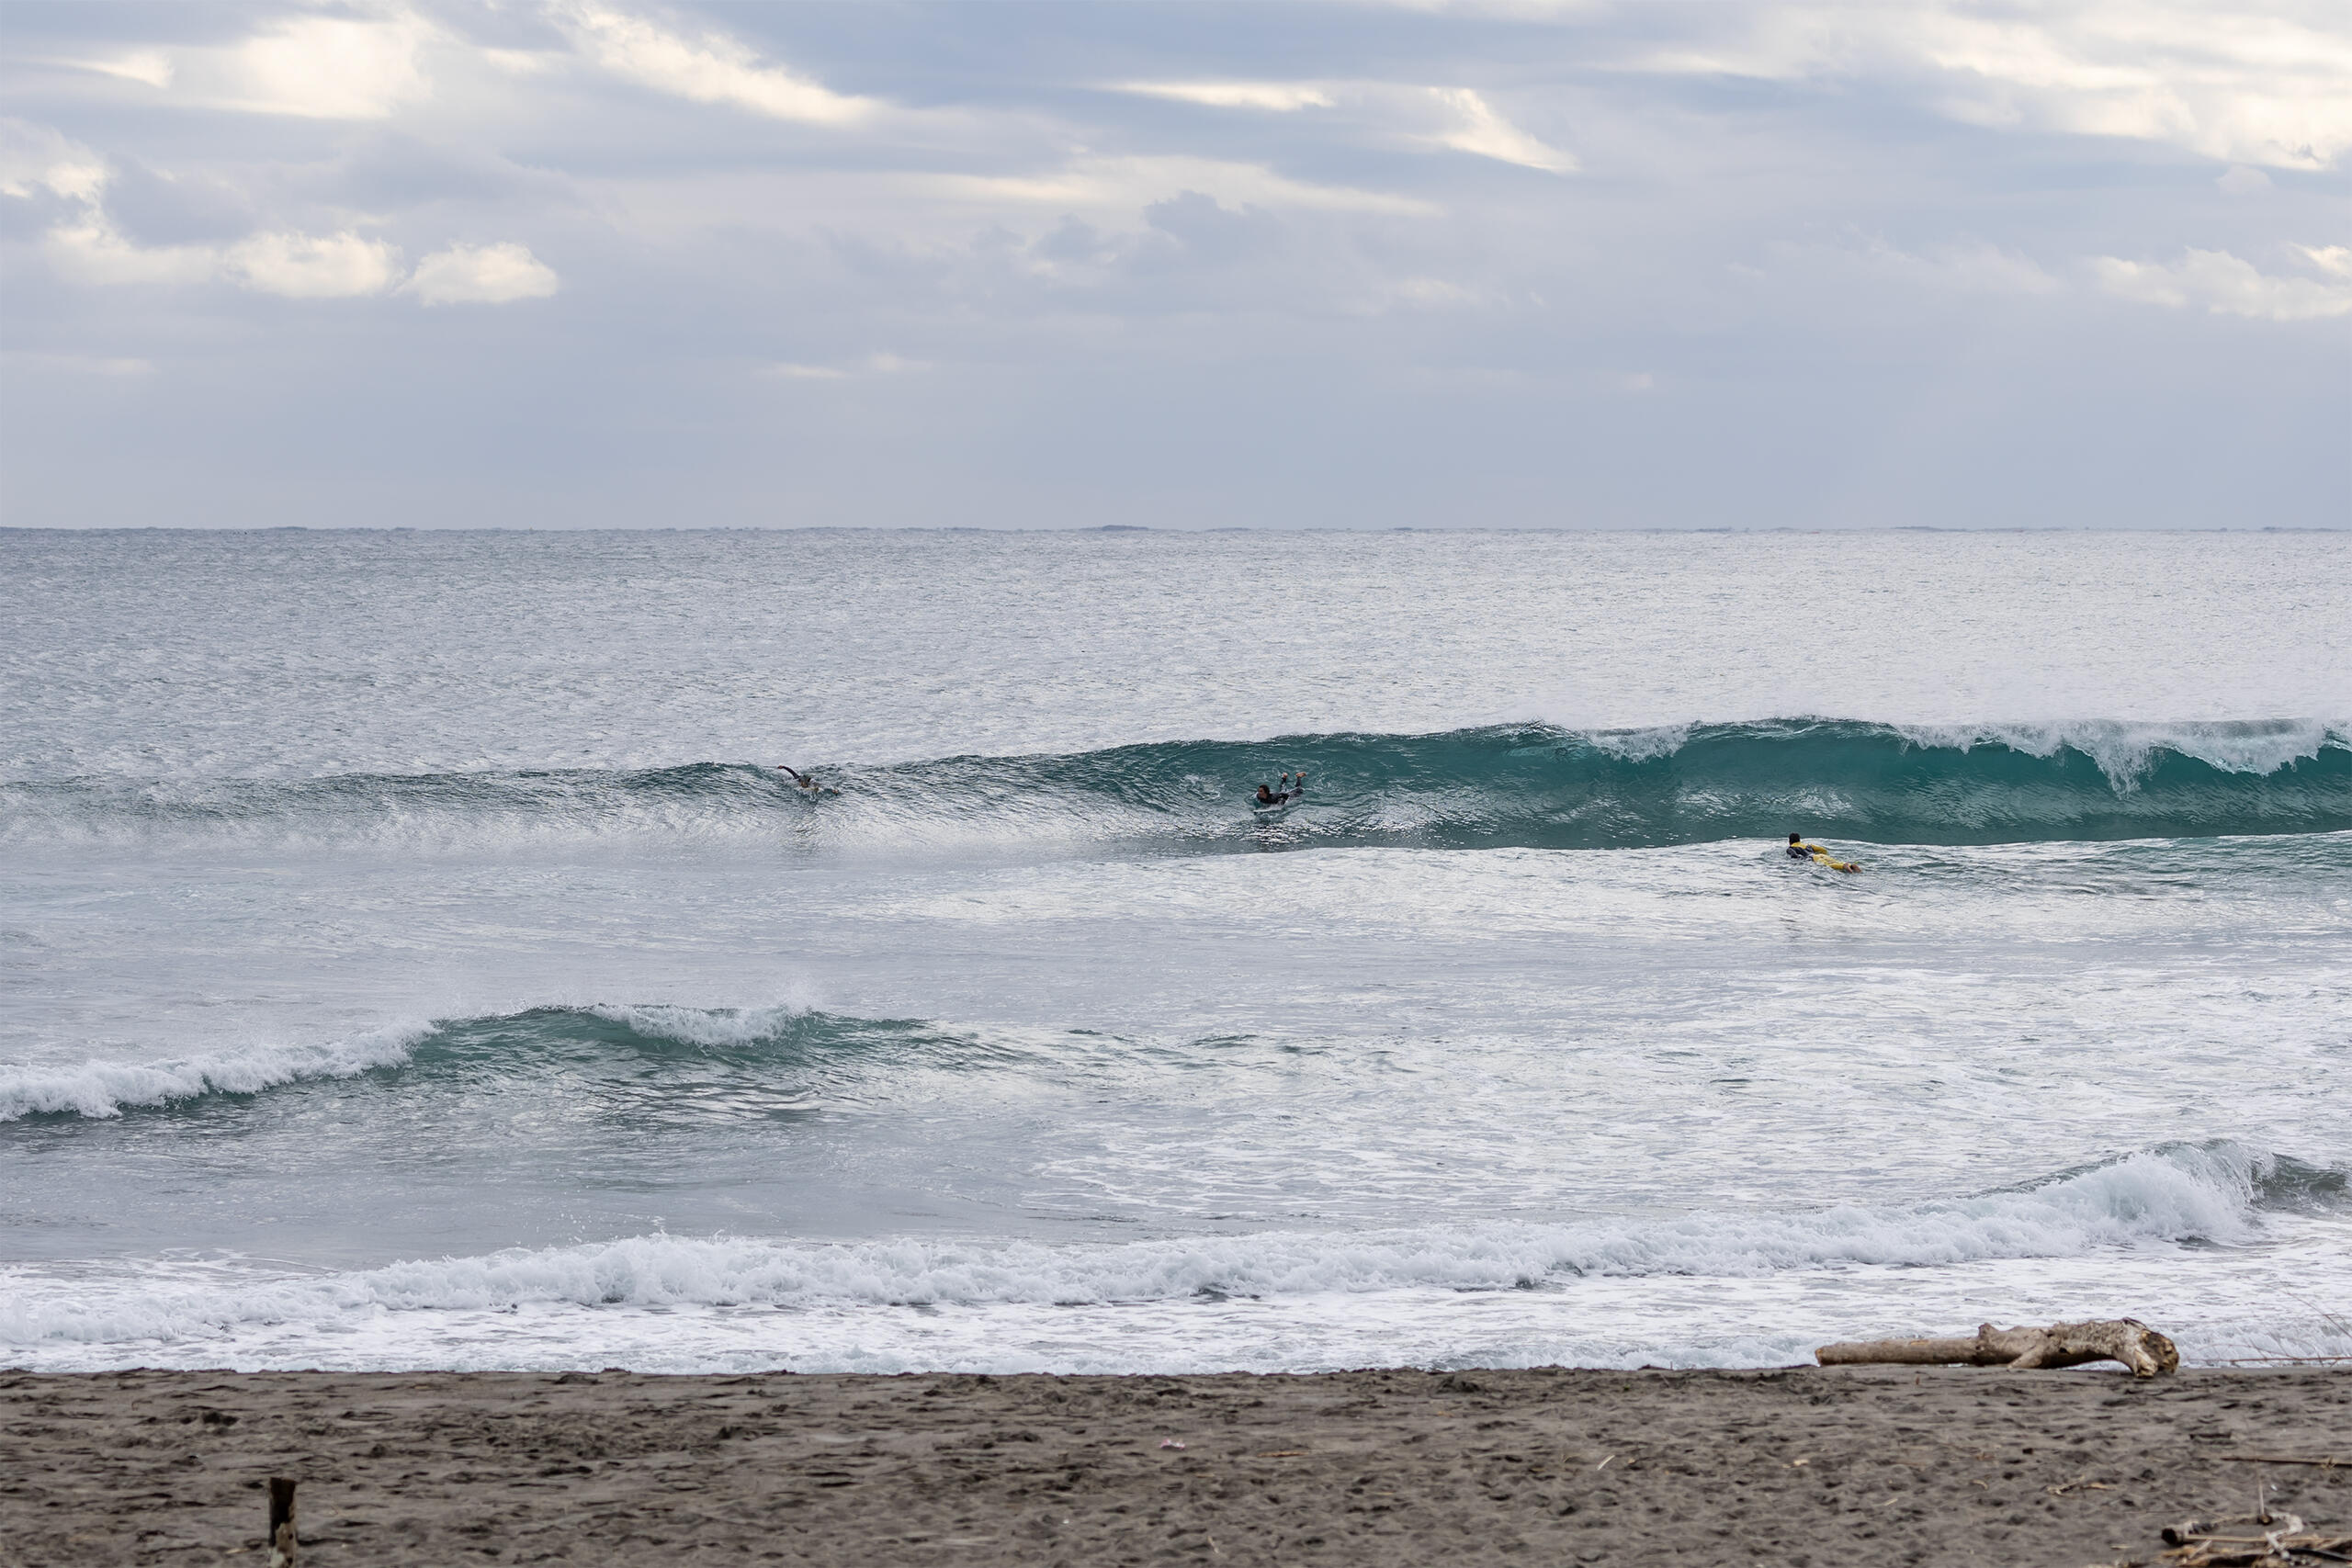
x=2229, y=286
x=1972, y=268
x=296, y=265
x=293, y=266
x=2229, y=83
x=519, y=62
x=1482, y=132
x=312, y=267
x=2145, y=281
x=713, y=69
x=35, y=158
x=1280, y=97
x=85, y=247
x=1427, y=294
x=482, y=275
x=1513, y=10
x=1131, y=184
x=871, y=365
x=312, y=67
x=89, y=250
x=111, y=366
x=2336, y=259
x=148, y=67
x=1464, y=120
x=1967, y=268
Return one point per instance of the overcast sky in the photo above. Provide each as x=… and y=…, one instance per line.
x=610, y=262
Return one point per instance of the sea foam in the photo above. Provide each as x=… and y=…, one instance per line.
x=2207, y=1195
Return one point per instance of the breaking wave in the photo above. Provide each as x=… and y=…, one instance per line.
x=670, y=1063
x=2181, y=1194
x=1509, y=785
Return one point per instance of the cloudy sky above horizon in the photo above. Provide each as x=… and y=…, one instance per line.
x=598, y=263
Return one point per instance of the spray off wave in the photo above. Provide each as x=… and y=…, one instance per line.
x=1534, y=787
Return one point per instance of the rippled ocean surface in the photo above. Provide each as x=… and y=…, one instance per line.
x=410, y=956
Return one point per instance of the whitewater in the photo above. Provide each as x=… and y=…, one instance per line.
x=411, y=955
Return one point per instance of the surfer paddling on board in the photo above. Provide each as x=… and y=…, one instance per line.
x=1800, y=850
x=1284, y=796
x=805, y=782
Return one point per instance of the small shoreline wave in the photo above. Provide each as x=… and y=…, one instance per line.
x=2173, y=1195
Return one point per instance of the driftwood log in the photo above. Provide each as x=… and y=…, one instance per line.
x=2274, y=1541
x=2124, y=1339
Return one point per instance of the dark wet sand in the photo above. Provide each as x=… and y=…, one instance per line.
x=1850, y=1466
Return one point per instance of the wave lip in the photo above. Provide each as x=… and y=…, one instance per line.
x=2213, y=1193
x=1531, y=785
x=664, y=1059
x=2127, y=751
x=106, y=1089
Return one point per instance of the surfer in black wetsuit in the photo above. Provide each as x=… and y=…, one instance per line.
x=806, y=782
x=1267, y=796
x=1798, y=849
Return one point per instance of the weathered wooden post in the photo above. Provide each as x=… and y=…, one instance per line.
x=282, y=1543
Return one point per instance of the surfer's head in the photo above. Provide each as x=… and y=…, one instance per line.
x=1796, y=838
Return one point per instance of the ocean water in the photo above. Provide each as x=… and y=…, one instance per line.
x=409, y=956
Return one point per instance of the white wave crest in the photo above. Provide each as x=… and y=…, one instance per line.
x=706, y=1026
x=2125, y=752
x=1639, y=745
x=2169, y=1195
x=106, y=1088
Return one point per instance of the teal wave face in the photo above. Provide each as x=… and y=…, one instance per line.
x=653, y=1067
x=1565, y=790
x=648, y=1066
x=1533, y=786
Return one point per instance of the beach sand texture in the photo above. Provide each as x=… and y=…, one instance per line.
x=1799, y=1466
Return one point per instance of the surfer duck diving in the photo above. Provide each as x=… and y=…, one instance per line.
x=1800, y=850
x=1290, y=789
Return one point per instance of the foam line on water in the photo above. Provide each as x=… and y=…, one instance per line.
x=2207, y=1194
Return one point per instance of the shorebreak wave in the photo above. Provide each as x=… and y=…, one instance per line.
x=2178, y=1193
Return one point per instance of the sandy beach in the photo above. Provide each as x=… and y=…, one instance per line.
x=1799, y=1466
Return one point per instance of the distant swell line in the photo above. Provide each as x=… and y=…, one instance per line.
x=1530, y=785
